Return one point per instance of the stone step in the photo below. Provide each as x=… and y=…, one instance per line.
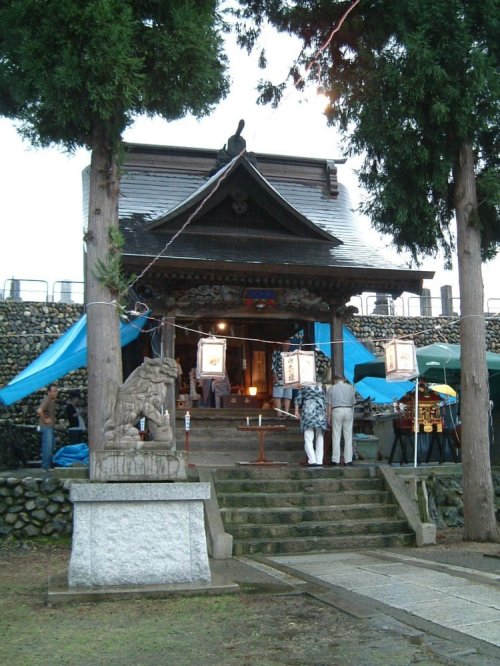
x=229, y=414
x=235, y=424
x=292, y=515
x=232, y=434
x=321, y=544
x=205, y=443
x=299, y=499
x=306, y=529
x=267, y=473
x=217, y=430
x=300, y=509
x=305, y=485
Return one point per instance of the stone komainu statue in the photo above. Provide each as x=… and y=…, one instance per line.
x=142, y=394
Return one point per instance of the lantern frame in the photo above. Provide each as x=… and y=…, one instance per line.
x=400, y=360
x=211, y=358
x=299, y=368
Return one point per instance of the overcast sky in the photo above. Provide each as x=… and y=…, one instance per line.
x=41, y=196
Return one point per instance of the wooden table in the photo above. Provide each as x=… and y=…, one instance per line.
x=261, y=431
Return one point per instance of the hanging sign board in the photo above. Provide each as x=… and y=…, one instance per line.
x=299, y=368
x=211, y=361
x=400, y=360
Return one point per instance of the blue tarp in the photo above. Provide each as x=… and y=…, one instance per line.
x=71, y=454
x=378, y=389
x=68, y=353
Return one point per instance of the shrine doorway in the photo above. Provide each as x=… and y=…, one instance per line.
x=250, y=344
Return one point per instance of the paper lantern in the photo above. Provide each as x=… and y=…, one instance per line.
x=400, y=360
x=211, y=358
x=299, y=368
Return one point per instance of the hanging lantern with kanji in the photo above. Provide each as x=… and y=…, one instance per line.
x=299, y=368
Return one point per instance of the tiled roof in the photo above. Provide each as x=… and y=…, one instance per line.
x=151, y=192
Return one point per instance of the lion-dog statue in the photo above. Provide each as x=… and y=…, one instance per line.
x=142, y=394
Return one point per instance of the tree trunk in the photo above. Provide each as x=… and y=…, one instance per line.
x=479, y=511
x=104, y=361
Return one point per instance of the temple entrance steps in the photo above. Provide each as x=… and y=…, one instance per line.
x=300, y=509
x=214, y=437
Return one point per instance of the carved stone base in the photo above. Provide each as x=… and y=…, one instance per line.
x=138, y=465
x=133, y=534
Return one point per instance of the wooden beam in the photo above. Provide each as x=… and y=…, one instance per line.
x=337, y=345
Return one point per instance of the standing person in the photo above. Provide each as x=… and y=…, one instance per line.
x=178, y=380
x=221, y=387
x=282, y=396
x=340, y=399
x=47, y=414
x=74, y=416
x=207, y=392
x=311, y=404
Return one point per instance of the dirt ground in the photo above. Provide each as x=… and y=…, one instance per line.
x=239, y=629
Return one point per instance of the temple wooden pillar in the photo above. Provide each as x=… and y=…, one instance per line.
x=337, y=345
x=168, y=350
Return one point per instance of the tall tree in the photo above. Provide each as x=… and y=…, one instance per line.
x=414, y=85
x=76, y=73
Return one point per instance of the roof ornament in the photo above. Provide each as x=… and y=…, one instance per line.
x=235, y=146
x=236, y=143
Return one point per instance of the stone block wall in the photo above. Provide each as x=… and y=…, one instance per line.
x=445, y=495
x=32, y=507
x=378, y=330
x=26, y=330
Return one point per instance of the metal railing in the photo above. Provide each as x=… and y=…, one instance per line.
x=69, y=291
x=65, y=291
x=23, y=289
x=415, y=306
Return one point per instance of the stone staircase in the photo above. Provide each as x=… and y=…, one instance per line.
x=214, y=437
x=297, y=510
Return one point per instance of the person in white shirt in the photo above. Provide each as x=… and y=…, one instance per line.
x=340, y=399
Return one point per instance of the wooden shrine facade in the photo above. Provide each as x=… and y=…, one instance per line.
x=254, y=247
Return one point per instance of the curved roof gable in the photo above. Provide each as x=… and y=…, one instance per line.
x=234, y=188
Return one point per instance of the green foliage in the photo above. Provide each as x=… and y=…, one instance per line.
x=409, y=82
x=109, y=270
x=68, y=67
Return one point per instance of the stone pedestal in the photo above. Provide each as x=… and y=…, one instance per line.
x=138, y=534
x=138, y=465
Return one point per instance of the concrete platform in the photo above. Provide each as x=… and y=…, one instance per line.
x=59, y=592
x=455, y=603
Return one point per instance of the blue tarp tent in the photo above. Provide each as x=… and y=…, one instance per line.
x=68, y=353
x=378, y=389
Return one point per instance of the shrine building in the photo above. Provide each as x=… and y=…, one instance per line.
x=254, y=247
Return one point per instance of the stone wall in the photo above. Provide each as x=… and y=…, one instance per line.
x=377, y=330
x=26, y=330
x=32, y=507
x=445, y=496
